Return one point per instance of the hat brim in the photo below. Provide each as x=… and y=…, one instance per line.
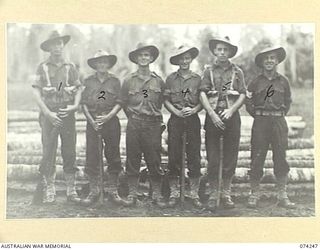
x=213, y=43
x=46, y=44
x=281, y=54
x=153, y=50
x=194, y=52
x=93, y=61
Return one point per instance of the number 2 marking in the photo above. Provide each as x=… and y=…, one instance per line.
x=102, y=95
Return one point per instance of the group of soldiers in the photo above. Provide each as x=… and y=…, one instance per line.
x=221, y=91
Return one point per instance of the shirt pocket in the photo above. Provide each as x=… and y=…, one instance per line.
x=154, y=94
x=111, y=97
x=176, y=96
x=278, y=96
x=135, y=96
x=192, y=96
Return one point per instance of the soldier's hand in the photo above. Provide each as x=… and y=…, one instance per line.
x=101, y=119
x=217, y=121
x=96, y=125
x=187, y=111
x=179, y=113
x=64, y=112
x=226, y=114
x=54, y=119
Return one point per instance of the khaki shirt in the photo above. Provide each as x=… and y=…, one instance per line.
x=58, y=77
x=142, y=97
x=223, y=79
x=183, y=92
x=271, y=95
x=101, y=97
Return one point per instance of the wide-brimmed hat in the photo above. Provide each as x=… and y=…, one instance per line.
x=174, y=59
x=280, y=51
x=102, y=55
x=141, y=46
x=52, y=38
x=226, y=40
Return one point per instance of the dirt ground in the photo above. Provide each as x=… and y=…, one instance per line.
x=19, y=205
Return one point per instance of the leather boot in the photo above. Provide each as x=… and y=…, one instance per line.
x=254, y=194
x=283, y=199
x=174, y=191
x=213, y=196
x=226, y=194
x=50, y=190
x=156, y=192
x=194, y=190
x=112, y=189
x=131, y=199
x=94, y=191
x=72, y=195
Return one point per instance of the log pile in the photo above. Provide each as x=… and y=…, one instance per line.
x=25, y=149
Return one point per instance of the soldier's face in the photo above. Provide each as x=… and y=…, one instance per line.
x=56, y=47
x=185, y=61
x=222, y=51
x=102, y=66
x=144, y=58
x=270, y=61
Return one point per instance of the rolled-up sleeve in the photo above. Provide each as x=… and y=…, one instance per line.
x=117, y=90
x=124, y=94
x=249, y=99
x=241, y=82
x=167, y=90
x=287, y=96
x=206, y=84
x=38, y=81
x=74, y=76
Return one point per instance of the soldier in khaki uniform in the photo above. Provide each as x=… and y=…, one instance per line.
x=182, y=101
x=57, y=92
x=142, y=99
x=222, y=94
x=101, y=103
x=268, y=101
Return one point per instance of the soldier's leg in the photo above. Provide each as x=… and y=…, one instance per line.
x=151, y=148
x=111, y=135
x=212, y=148
x=175, y=132
x=92, y=162
x=133, y=147
x=279, y=142
x=193, y=157
x=49, y=138
x=260, y=140
x=68, y=153
x=230, y=157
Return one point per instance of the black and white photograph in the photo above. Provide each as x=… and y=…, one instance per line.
x=160, y=120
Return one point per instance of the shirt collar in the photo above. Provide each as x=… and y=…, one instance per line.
x=107, y=76
x=218, y=64
x=178, y=74
x=152, y=74
x=50, y=61
x=275, y=76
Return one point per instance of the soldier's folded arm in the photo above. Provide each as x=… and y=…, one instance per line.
x=249, y=99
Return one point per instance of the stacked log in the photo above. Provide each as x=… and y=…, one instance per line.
x=25, y=148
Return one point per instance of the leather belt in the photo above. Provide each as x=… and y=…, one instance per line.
x=269, y=112
x=147, y=118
